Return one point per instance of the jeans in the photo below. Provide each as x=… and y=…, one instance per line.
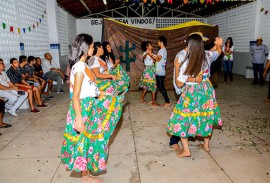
x=258, y=68
x=227, y=67
x=55, y=76
x=161, y=88
x=14, y=101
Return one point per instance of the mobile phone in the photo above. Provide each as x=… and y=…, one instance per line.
x=31, y=84
x=21, y=92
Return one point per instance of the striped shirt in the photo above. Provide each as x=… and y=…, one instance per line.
x=14, y=75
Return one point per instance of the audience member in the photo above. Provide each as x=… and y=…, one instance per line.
x=39, y=73
x=10, y=92
x=52, y=71
x=15, y=77
x=259, y=53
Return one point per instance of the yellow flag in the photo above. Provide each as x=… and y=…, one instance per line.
x=202, y=1
x=19, y=31
x=154, y=1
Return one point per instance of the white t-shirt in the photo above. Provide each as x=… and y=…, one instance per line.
x=210, y=57
x=4, y=79
x=95, y=62
x=230, y=56
x=161, y=65
x=148, y=61
x=46, y=66
x=89, y=88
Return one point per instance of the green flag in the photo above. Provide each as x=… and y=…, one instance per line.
x=29, y=28
x=4, y=25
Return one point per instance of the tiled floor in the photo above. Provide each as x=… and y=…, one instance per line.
x=139, y=151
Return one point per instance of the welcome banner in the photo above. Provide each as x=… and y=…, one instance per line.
x=126, y=43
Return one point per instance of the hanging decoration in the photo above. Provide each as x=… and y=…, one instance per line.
x=169, y=1
x=35, y=25
x=209, y=1
x=161, y=1
x=202, y=1
x=145, y=1
x=185, y=1
x=194, y=1
x=135, y=1
x=154, y=1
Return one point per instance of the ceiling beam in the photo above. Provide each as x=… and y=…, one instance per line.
x=86, y=7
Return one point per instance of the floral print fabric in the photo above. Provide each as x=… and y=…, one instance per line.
x=89, y=149
x=195, y=112
x=148, y=79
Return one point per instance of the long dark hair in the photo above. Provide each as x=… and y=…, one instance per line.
x=196, y=55
x=106, y=56
x=231, y=42
x=79, y=47
x=96, y=46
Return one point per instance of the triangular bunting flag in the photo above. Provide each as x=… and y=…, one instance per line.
x=4, y=25
x=19, y=31
x=29, y=28
x=170, y=1
x=37, y=24
x=33, y=26
x=11, y=29
x=185, y=1
x=154, y=1
x=202, y=1
x=40, y=20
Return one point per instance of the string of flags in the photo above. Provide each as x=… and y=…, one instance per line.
x=171, y=1
x=263, y=10
x=26, y=29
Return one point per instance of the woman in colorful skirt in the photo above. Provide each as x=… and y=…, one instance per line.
x=115, y=68
x=91, y=119
x=148, y=79
x=197, y=110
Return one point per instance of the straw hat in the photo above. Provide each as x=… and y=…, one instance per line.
x=200, y=34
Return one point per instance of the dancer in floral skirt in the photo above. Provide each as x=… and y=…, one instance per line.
x=197, y=110
x=91, y=119
x=115, y=68
x=148, y=79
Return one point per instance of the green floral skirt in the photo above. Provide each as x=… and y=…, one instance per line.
x=196, y=112
x=148, y=79
x=89, y=149
x=120, y=85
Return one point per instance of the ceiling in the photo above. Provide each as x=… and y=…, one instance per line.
x=121, y=8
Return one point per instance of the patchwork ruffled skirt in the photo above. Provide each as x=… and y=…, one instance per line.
x=89, y=149
x=148, y=79
x=196, y=112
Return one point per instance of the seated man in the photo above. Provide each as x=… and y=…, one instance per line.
x=52, y=71
x=39, y=73
x=25, y=75
x=15, y=77
x=10, y=92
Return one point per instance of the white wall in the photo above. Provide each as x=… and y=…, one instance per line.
x=244, y=24
x=94, y=26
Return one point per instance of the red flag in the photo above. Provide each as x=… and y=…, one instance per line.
x=11, y=29
x=170, y=1
x=209, y=1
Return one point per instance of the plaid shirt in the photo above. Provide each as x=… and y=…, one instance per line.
x=14, y=75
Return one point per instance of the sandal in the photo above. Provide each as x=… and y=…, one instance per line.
x=6, y=126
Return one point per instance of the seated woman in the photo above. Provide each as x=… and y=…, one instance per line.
x=105, y=81
x=115, y=68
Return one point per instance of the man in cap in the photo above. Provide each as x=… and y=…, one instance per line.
x=259, y=54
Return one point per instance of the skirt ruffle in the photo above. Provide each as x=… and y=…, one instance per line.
x=89, y=149
x=196, y=112
x=148, y=79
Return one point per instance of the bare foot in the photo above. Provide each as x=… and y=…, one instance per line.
x=206, y=149
x=154, y=104
x=183, y=154
x=166, y=104
x=143, y=101
x=90, y=179
x=176, y=147
x=267, y=100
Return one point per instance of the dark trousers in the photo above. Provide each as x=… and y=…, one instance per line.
x=258, y=68
x=2, y=106
x=227, y=67
x=174, y=140
x=161, y=88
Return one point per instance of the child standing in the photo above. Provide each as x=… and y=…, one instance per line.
x=148, y=79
